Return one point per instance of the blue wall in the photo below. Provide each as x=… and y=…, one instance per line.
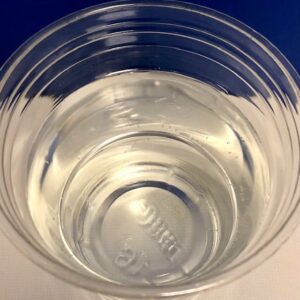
x=279, y=21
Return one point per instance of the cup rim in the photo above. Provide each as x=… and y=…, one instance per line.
x=246, y=265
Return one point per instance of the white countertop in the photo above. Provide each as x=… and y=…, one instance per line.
x=276, y=279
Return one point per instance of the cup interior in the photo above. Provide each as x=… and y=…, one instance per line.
x=149, y=148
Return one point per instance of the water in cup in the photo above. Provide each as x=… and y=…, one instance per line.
x=147, y=178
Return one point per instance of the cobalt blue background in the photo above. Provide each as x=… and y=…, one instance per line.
x=279, y=21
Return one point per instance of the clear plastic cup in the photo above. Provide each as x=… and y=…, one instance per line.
x=149, y=149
